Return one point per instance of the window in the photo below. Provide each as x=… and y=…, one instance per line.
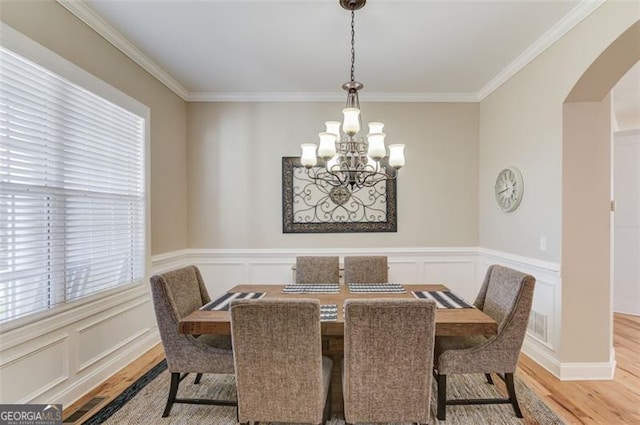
x=72, y=190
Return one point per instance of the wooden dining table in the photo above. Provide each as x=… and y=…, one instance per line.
x=449, y=321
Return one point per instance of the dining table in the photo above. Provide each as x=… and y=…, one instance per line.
x=449, y=321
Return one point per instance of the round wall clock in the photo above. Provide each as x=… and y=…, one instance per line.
x=508, y=189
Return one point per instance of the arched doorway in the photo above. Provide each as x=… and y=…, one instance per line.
x=586, y=208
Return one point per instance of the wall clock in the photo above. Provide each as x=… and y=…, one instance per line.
x=509, y=189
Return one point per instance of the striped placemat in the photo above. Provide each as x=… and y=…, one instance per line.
x=222, y=303
x=389, y=288
x=443, y=299
x=328, y=312
x=319, y=288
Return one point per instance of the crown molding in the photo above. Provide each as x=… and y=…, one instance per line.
x=102, y=27
x=563, y=26
x=330, y=97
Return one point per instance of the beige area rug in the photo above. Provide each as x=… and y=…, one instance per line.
x=147, y=405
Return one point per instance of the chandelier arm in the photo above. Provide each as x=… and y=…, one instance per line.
x=351, y=166
x=322, y=177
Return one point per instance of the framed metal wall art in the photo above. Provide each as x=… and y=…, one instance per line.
x=311, y=206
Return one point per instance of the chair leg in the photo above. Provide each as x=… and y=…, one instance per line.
x=326, y=414
x=489, y=379
x=511, y=390
x=173, y=391
x=442, y=397
x=198, y=378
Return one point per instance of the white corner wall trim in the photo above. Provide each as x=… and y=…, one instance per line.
x=168, y=261
x=546, y=266
x=83, y=12
x=579, y=12
x=330, y=97
x=293, y=252
x=20, y=331
x=629, y=132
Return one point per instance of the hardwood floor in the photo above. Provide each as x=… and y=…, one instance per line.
x=595, y=402
x=576, y=402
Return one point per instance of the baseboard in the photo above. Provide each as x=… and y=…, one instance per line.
x=542, y=355
x=627, y=308
x=592, y=371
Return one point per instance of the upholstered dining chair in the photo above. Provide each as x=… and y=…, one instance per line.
x=317, y=269
x=176, y=294
x=281, y=375
x=506, y=295
x=388, y=360
x=366, y=269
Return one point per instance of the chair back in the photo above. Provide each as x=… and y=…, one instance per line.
x=317, y=270
x=388, y=360
x=176, y=294
x=368, y=269
x=507, y=295
x=278, y=360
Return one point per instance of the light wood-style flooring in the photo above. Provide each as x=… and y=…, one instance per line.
x=576, y=402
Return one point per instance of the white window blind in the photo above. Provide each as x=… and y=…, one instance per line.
x=72, y=198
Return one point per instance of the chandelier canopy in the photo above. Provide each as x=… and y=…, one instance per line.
x=347, y=158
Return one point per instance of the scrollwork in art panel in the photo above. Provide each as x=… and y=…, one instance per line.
x=316, y=207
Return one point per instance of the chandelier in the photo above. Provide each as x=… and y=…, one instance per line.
x=347, y=158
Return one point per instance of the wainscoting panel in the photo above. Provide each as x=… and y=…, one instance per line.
x=546, y=304
x=103, y=336
x=67, y=352
x=270, y=271
x=404, y=270
x=221, y=276
x=60, y=358
x=27, y=373
x=458, y=274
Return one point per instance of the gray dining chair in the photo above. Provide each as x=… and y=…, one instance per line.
x=176, y=294
x=281, y=375
x=388, y=359
x=366, y=269
x=322, y=269
x=506, y=295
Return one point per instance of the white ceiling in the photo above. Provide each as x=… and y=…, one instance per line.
x=411, y=50
x=405, y=50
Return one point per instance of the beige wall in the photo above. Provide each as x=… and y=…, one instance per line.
x=234, y=173
x=54, y=27
x=586, y=217
x=521, y=123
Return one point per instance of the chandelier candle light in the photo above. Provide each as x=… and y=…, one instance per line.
x=349, y=159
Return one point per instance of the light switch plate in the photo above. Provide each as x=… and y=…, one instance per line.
x=543, y=243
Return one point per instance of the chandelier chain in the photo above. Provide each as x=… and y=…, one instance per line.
x=348, y=157
x=353, y=48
